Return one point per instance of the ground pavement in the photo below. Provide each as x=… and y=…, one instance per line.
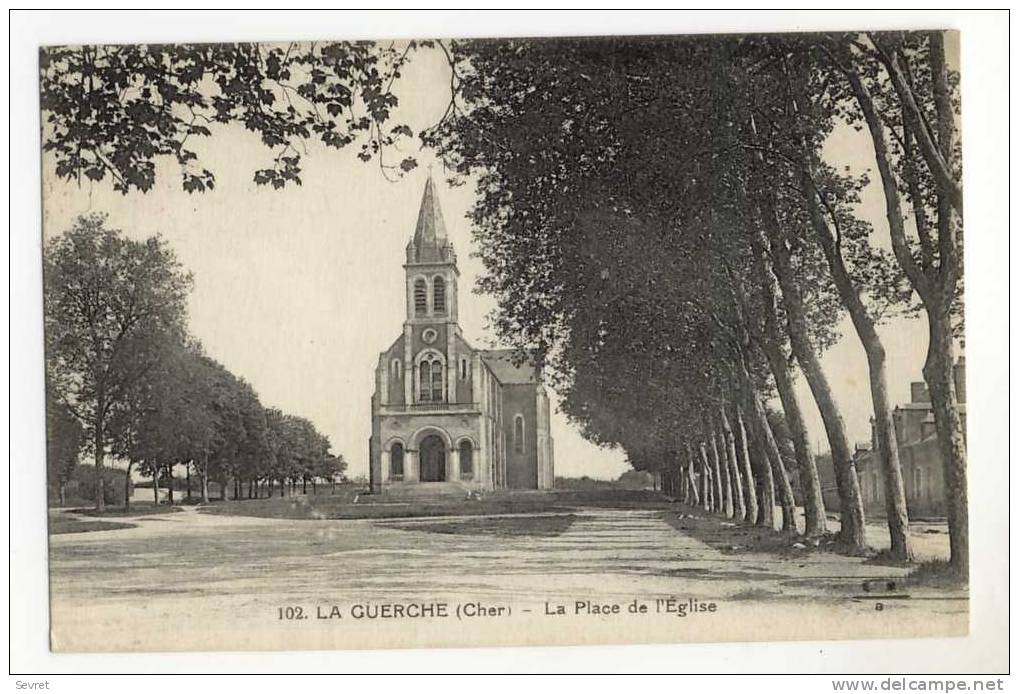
x=190, y=580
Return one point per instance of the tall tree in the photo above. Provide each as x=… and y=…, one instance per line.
x=910, y=113
x=110, y=303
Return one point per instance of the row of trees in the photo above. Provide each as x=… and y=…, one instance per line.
x=660, y=224
x=125, y=379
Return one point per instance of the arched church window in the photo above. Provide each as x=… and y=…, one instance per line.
x=420, y=297
x=464, y=368
x=396, y=461
x=466, y=460
x=439, y=295
x=396, y=369
x=518, y=434
x=425, y=376
x=437, y=388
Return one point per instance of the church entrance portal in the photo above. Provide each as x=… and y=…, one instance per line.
x=433, y=459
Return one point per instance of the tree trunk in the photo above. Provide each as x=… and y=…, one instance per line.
x=722, y=468
x=188, y=469
x=691, y=477
x=773, y=345
x=169, y=485
x=888, y=452
x=810, y=480
x=851, y=516
x=779, y=474
x=939, y=374
x=716, y=471
x=765, y=480
x=707, y=502
x=936, y=286
x=127, y=486
x=683, y=492
x=739, y=504
x=98, y=443
x=155, y=485
x=205, y=481
x=887, y=447
x=746, y=467
x=304, y=485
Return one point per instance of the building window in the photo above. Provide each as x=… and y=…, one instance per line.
x=430, y=379
x=465, y=368
x=439, y=295
x=518, y=434
x=466, y=460
x=396, y=368
x=420, y=297
x=396, y=461
x=918, y=482
x=425, y=377
x=437, y=388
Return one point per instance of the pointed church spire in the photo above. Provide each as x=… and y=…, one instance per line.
x=430, y=241
x=431, y=228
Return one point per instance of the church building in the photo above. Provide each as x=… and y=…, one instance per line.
x=443, y=412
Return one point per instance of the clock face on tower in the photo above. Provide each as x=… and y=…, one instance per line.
x=429, y=336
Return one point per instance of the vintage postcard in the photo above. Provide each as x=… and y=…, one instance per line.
x=504, y=342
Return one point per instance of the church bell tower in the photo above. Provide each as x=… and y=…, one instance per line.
x=431, y=328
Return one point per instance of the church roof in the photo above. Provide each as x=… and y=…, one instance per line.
x=431, y=228
x=500, y=361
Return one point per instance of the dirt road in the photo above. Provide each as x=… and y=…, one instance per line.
x=194, y=581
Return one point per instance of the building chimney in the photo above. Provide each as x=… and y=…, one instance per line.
x=959, y=372
x=918, y=392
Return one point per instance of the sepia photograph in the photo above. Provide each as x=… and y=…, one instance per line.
x=358, y=344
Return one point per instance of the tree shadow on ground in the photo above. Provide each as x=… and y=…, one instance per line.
x=513, y=526
x=62, y=525
x=733, y=538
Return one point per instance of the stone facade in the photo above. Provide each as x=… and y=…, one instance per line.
x=919, y=456
x=442, y=411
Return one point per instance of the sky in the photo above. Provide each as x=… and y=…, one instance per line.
x=297, y=291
